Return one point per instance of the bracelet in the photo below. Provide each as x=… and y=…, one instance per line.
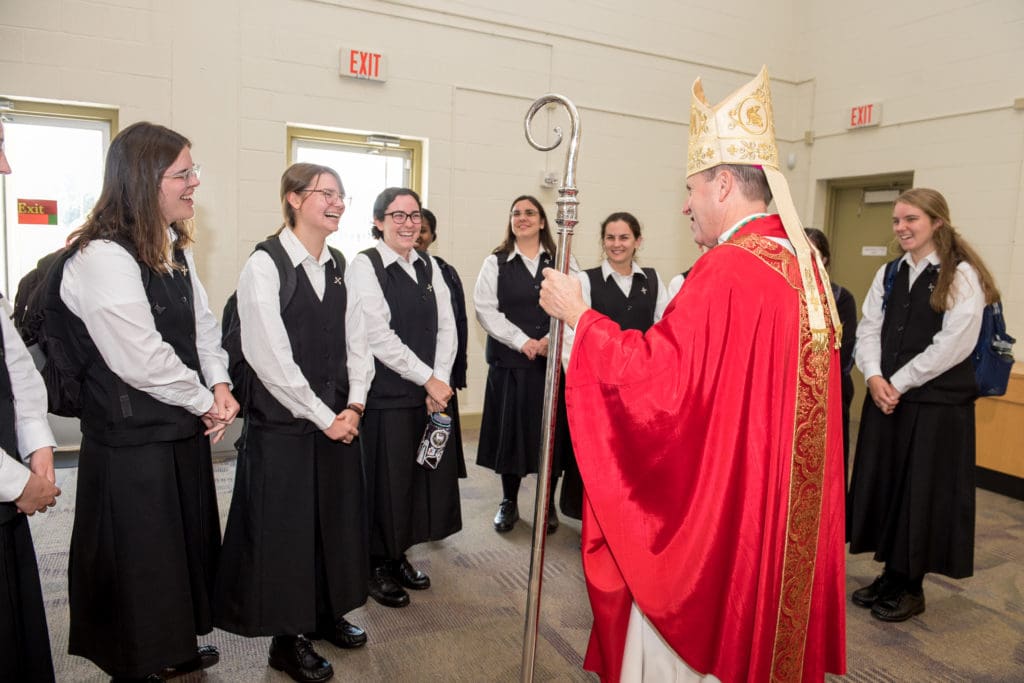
x=355, y=409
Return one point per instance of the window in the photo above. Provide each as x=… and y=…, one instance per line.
x=367, y=165
x=56, y=154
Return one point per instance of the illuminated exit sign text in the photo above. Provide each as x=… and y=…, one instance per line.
x=362, y=64
x=865, y=115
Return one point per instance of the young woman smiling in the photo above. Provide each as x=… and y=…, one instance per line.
x=411, y=331
x=911, y=498
x=294, y=556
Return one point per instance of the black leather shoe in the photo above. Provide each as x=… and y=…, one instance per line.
x=206, y=656
x=409, y=576
x=508, y=515
x=867, y=596
x=295, y=656
x=151, y=678
x=552, y=519
x=343, y=635
x=899, y=607
x=385, y=590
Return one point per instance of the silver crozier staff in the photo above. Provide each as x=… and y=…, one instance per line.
x=566, y=220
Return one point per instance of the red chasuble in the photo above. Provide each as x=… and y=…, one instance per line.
x=711, y=454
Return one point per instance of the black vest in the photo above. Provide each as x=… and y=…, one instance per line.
x=635, y=312
x=316, y=332
x=8, y=429
x=907, y=329
x=519, y=301
x=414, y=319
x=116, y=414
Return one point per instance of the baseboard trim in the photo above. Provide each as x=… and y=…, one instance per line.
x=999, y=482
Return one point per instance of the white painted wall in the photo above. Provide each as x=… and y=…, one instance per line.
x=231, y=74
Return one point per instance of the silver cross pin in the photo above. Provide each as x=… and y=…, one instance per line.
x=338, y=280
x=430, y=287
x=643, y=290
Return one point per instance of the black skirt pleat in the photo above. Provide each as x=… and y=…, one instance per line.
x=298, y=501
x=408, y=503
x=24, y=638
x=144, y=551
x=511, y=424
x=912, y=495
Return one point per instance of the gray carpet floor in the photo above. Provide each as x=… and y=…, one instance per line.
x=469, y=625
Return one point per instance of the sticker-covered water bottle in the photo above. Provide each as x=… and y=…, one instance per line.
x=435, y=438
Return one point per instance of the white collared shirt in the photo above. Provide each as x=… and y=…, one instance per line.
x=485, y=298
x=29, y=413
x=625, y=283
x=385, y=343
x=102, y=285
x=265, y=340
x=954, y=342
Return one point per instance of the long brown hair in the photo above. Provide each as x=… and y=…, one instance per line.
x=951, y=248
x=128, y=209
x=508, y=245
x=296, y=178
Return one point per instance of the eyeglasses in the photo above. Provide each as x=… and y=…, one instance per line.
x=330, y=195
x=399, y=217
x=529, y=213
x=187, y=174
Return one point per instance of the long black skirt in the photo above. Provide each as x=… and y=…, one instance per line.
x=144, y=551
x=511, y=424
x=408, y=503
x=24, y=638
x=912, y=493
x=294, y=555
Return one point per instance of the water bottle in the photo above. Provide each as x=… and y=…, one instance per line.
x=435, y=438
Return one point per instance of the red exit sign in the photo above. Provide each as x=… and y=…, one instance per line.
x=363, y=64
x=865, y=115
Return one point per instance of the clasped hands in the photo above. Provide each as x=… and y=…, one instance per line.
x=883, y=394
x=41, y=490
x=221, y=414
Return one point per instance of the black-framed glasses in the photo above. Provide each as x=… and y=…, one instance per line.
x=329, y=194
x=399, y=217
x=187, y=174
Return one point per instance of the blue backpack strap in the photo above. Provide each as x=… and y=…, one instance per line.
x=891, y=269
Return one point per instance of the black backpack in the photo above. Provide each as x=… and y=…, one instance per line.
x=993, y=354
x=239, y=370
x=44, y=323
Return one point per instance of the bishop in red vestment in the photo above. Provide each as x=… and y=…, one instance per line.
x=710, y=449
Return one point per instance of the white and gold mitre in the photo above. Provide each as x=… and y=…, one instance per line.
x=739, y=130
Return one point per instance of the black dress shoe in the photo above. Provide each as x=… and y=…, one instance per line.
x=508, y=515
x=295, y=656
x=409, y=576
x=552, y=520
x=151, y=678
x=383, y=588
x=206, y=656
x=899, y=607
x=343, y=635
x=880, y=588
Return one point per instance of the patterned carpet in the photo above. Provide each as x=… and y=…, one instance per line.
x=469, y=625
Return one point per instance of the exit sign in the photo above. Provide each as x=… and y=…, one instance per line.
x=364, y=64
x=865, y=115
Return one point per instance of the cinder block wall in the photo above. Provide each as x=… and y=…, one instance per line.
x=232, y=74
